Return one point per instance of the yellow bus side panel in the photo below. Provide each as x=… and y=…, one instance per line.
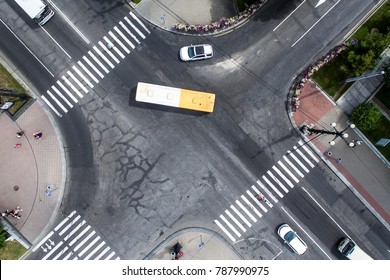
x=197, y=100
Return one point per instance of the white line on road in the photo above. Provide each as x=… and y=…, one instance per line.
x=83, y=241
x=89, y=246
x=95, y=250
x=104, y=57
x=255, y=199
x=305, y=232
x=251, y=206
x=129, y=32
x=74, y=230
x=268, y=191
x=289, y=15
x=52, y=251
x=77, y=81
x=69, y=225
x=82, y=76
x=293, y=166
x=288, y=171
x=69, y=22
x=315, y=23
x=57, y=101
x=62, y=96
x=135, y=28
x=43, y=241
x=51, y=106
x=87, y=71
x=54, y=41
x=140, y=22
x=67, y=91
x=246, y=211
x=304, y=157
x=277, y=181
x=79, y=236
x=109, y=52
x=298, y=161
x=235, y=220
x=119, y=42
x=284, y=177
x=72, y=86
x=303, y=145
x=113, y=47
x=102, y=253
x=98, y=62
x=109, y=256
x=20, y=41
x=123, y=36
x=241, y=216
x=60, y=253
x=225, y=230
x=230, y=225
x=93, y=67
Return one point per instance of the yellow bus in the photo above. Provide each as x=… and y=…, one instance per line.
x=175, y=97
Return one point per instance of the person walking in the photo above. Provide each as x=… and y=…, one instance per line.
x=38, y=134
x=19, y=134
x=17, y=145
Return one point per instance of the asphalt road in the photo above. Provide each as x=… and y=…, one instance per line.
x=136, y=172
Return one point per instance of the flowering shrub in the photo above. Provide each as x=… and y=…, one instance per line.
x=221, y=24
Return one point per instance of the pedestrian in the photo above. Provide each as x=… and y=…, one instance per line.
x=358, y=142
x=5, y=213
x=16, y=212
x=37, y=134
x=17, y=145
x=19, y=134
x=338, y=160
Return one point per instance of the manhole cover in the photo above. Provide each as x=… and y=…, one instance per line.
x=16, y=188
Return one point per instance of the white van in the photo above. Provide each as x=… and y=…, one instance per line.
x=349, y=249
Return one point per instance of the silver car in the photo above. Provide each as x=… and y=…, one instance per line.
x=292, y=239
x=196, y=52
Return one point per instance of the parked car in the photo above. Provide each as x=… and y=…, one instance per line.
x=292, y=239
x=196, y=52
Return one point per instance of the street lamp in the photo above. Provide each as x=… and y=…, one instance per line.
x=310, y=130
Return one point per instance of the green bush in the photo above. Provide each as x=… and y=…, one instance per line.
x=366, y=116
x=3, y=236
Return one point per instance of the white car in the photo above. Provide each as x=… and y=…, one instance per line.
x=196, y=52
x=292, y=239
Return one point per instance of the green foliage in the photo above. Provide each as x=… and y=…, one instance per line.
x=387, y=76
x=3, y=236
x=366, y=116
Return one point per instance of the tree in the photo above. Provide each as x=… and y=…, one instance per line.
x=366, y=116
x=3, y=236
x=387, y=76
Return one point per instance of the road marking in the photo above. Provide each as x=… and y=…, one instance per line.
x=51, y=106
x=225, y=230
x=305, y=232
x=246, y=211
x=74, y=230
x=102, y=253
x=129, y=32
x=241, y=216
x=304, y=157
x=87, y=71
x=251, y=206
x=72, y=86
x=255, y=199
x=82, y=76
x=108, y=51
x=88, y=246
x=135, y=28
x=277, y=181
x=298, y=161
x=119, y=42
x=93, y=67
x=60, y=253
x=109, y=256
x=289, y=15
x=123, y=36
x=267, y=191
x=95, y=250
x=24, y=45
x=69, y=225
x=83, y=241
x=296, y=42
x=68, y=256
x=320, y=3
x=113, y=47
x=288, y=171
x=303, y=145
x=293, y=166
x=79, y=236
x=47, y=33
x=98, y=62
x=62, y=96
x=56, y=100
x=235, y=220
x=273, y=187
x=77, y=81
x=230, y=225
x=69, y=22
x=67, y=92
x=43, y=241
x=140, y=22
x=52, y=250
x=104, y=57
x=284, y=177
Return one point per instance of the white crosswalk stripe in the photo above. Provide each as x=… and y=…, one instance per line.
x=82, y=76
x=72, y=87
x=114, y=47
x=254, y=198
x=119, y=42
x=273, y=187
x=284, y=177
x=124, y=37
x=135, y=28
x=277, y=181
x=251, y=206
x=304, y=157
x=235, y=220
x=93, y=67
x=108, y=52
x=51, y=106
x=268, y=192
x=241, y=216
x=62, y=96
x=288, y=171
x=298, y=161
x=246, y=211
x=77, y=81
x=72, y=239
x=225, y=230
x=230, y=225
x=87, y=71
x=140, y=22
x=62, y=86
x=293, y=166
x=129, y=32
x=98, y=62
x=303, y=145
x=57, y=101
x=103, y=57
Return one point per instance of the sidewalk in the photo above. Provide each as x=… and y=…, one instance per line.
x=360, y=169
x=27, y=171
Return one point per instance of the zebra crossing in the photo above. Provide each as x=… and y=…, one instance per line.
x=78, y=241
x=84, y=74
x=273, y=186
